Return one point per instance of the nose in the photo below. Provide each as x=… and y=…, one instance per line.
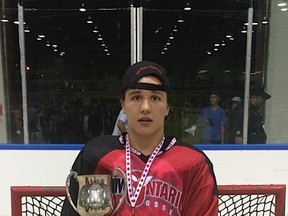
x=145, y=106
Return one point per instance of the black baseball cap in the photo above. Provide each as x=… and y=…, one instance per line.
x=259, y=91
x=145, y=68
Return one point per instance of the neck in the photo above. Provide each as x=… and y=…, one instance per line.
x=145, y=145
x=214, y=106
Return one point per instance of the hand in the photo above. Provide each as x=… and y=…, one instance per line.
x=210, y=122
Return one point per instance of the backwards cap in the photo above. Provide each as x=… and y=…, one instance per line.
x=145, y=68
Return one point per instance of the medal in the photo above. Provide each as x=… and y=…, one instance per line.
x=133, y=195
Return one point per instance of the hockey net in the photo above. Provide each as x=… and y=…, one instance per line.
x=234, y=200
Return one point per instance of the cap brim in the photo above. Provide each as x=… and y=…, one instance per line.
x=267, y=96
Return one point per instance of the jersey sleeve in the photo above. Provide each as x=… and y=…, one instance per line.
x=201, y=193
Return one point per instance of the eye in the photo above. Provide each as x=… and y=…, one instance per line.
x=155, y=98
x=136, y=98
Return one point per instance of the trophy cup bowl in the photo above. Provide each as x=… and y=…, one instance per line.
x=95, y=193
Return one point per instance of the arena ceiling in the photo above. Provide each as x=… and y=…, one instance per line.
x=62, y=24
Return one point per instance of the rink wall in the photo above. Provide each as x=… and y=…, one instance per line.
x=39, y=165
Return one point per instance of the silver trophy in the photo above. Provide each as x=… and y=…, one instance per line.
x=95, y=196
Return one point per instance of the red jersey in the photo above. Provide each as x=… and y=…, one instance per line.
x=181, y=180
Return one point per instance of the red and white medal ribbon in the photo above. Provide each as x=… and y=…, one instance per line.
x=133, y=195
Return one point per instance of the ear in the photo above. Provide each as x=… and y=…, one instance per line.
x=168, y=110
x=122, y=102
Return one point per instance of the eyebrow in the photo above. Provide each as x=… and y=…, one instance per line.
x=133, y=92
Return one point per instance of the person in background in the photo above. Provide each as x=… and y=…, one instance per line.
x=256, y=133
x=171, y=177
x=235, y=107
x=121, y=124
x=32, y=115
x=86, y=118
x=212, y=120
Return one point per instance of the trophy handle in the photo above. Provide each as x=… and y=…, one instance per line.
x=124, y=192
x=75, y=174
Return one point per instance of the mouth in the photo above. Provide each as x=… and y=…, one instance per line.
x=145, y=119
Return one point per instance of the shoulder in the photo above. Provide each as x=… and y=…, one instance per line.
x=205, y=110
x=220, y=109
x=190, y=151
x=102, y=145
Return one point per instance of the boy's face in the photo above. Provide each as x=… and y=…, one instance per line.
x=214, y=99
x=145, y=109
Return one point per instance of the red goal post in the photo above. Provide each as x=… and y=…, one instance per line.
x=236, y=200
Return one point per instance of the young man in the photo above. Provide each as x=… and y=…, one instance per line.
x=256, y=133
x=165, y=177
x=212, y=120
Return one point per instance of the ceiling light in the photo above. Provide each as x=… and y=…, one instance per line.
x=180, y=20
x=158, y=29
x=187, y=7
x=282, y=4
x=254, y=23
x=17, y=22
x=89, y=21
x=284, y=9
x=82, y=8
x=175, y=28
x=4, y=20
x=202, y=71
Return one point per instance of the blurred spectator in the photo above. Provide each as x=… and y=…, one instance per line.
x=212, y=120
x=32, y=115
x=235, y=106
x=256, y=133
